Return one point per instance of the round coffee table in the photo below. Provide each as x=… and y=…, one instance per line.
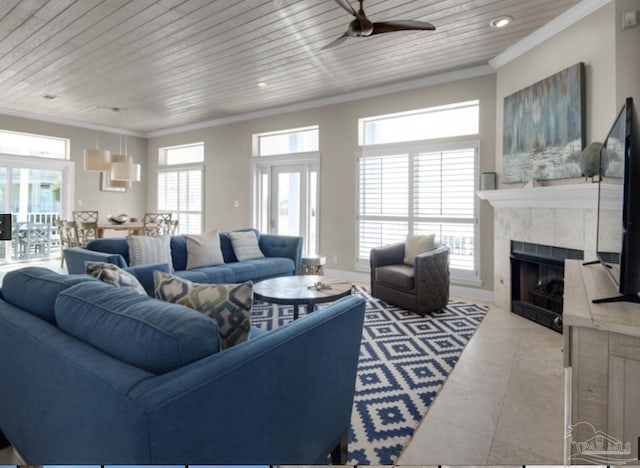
x=300, y=290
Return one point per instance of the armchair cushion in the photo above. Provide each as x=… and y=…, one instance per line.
x=416, y=245
x=401, y=276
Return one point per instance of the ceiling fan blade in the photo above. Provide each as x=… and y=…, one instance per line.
x=408, y=25
x=338, y=41
x=347, y=6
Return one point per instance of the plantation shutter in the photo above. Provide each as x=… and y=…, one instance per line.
x=180, y=192
x=383, y=201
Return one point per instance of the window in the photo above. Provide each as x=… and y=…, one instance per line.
x=286, y=184
x=297, y=140
x=426, y=124
x=180, y=186
x=26, y=144
x=421, y=188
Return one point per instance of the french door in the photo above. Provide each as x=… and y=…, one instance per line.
x=36, y=193
x=286, y=200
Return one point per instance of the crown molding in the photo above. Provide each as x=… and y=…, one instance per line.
x=71, y=123
x=553, y=27
x=417, y=83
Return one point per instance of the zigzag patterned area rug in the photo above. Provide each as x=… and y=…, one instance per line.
x=405, y=359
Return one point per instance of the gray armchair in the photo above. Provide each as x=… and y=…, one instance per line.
x=421, y=288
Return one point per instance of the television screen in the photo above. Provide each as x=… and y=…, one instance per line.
x=618, y=236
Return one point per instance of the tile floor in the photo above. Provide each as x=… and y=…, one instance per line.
x=502, y=404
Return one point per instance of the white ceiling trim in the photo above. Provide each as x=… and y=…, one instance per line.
x=71, y=123
x=553, y=27
x=424, y=82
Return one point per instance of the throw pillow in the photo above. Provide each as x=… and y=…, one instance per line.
x=415, y=245
x=245, y=245
x=229, y=305
x=145, y=250
x=114, y=275
x=203, y=249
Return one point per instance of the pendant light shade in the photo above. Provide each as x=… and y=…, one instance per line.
x=119, y=183
x=125, y=171
x=97, y=160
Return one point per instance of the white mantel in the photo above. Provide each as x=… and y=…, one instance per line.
x=582, y=195
x=558, y=215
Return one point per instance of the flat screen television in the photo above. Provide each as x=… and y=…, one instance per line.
x=618, y=236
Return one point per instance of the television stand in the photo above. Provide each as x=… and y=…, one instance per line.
x=602, y=369
x=622, y=298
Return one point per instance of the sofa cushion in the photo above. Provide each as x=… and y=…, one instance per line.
x=216, y=274
x=35, y=289
x=245, y=245
x=117, y=245
x=113, y=275
x=401, y=276
x=145, y=250
x=152, y=335
x=144, y=274
x=203, y=249
x=416, y=245
x=228, y=304
x=262, y=268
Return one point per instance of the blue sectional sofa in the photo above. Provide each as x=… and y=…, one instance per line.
x=282, y=258
x=97, y=374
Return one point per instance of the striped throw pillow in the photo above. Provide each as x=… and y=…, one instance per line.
x=245, y=245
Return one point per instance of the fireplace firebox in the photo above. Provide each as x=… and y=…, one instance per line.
x=537, y=281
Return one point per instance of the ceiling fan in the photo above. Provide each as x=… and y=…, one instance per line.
x=364, y=27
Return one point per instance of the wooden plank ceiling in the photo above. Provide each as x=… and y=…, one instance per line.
x=176, y=62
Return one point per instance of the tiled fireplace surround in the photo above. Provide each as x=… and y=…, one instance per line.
x=558, y=215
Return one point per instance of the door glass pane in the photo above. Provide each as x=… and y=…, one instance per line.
x=313, y=213
x=35, y=207
x=289, y=203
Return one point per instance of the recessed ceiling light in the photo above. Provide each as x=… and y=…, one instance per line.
x=500, y=21
x=262, y=85
x=51, y=97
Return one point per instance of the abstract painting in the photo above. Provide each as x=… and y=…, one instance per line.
x=544, y=128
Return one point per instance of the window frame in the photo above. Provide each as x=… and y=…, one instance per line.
x=164, y=168
x=463, y=277
x=255, y=141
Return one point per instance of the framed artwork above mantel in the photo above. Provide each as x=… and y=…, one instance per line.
x=544, y=128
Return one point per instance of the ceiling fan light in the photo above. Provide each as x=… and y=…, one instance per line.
x=125, y=172
x=500, y=21
x=97, y=160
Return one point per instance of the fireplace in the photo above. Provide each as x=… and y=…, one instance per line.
x=537, y=281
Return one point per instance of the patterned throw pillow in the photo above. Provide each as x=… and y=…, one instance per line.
x=147, y=250
x=245, y=245
x=114, y=275
x=228, y=304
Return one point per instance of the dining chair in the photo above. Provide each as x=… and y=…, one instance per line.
x=68, y=237
x=156, y=224
x=86, y=225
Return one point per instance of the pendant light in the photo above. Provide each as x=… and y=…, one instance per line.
x=96, y=159
x=123, y=169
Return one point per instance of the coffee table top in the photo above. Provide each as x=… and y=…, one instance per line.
x=295, y=289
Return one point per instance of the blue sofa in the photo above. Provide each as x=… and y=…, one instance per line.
x=97, y=374
x=282, y=258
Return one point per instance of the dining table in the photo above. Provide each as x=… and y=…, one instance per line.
x=135, y=228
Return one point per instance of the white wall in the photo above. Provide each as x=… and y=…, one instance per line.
x=87, y=184
x=228, y=156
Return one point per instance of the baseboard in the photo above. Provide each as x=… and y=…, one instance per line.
x=475, y=294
